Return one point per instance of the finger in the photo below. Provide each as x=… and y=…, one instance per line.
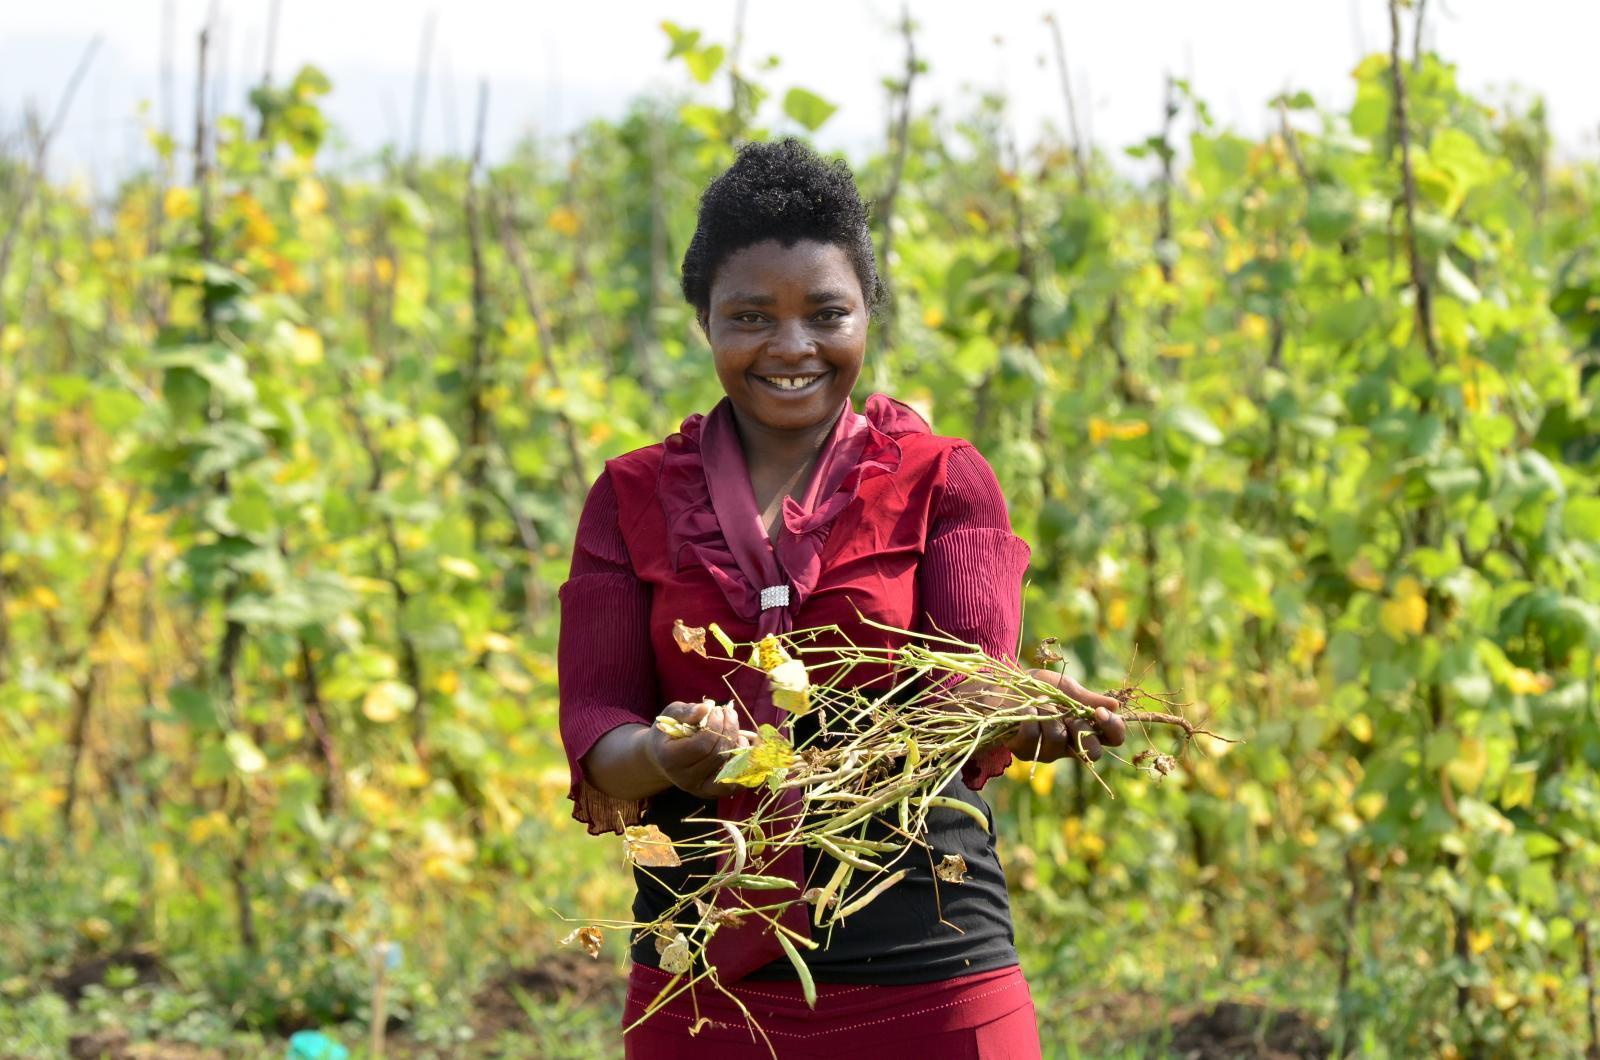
x=1076, y=691
x=1059, y=740
x=1110, y=727
x=689, y=713
x=691, y=751
x=1025, y=744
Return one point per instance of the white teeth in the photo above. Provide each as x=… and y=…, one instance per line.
x=796, y=383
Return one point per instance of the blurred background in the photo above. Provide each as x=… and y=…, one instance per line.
x=1279, y=323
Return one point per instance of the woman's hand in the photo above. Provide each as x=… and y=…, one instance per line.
x=692, y=762
x=1052, y=737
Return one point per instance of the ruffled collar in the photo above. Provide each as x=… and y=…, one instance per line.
x=711, y=514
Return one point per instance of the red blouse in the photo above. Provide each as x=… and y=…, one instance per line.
x=914, y=534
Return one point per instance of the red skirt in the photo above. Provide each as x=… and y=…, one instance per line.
x=987, y=1016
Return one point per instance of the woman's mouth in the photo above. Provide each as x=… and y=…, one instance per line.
x=792, y=384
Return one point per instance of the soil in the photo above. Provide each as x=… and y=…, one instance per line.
x=1233, y=1029
x=565, y=973
x=1226, y=1030
x=113, y=1043
x=147, y=968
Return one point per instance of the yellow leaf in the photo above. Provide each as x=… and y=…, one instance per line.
x=563, y=220
x=1518, y=787
x=513, y=681
x=464, y=569
x=933, y=316
x=310, y=199
x=306, y=347
x=1363, y=575
x=203, y=828
x=1405, y=614
x=177, y=203
x=95, y=928
x=1525, y=682
x=1043, y=779
x=1117, y=613
x=247, y=757
x=766, y=761
x=45, y=597
x=791, y=687
x=1176, y=349
x=648, y=846
x=1467, y=768
x=498, y=642
x=386, y=700
x=1479, y=940
x=769, y=654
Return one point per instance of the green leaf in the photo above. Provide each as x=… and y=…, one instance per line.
x=807, y=108
x=439, y=445
x=1456, y=283
x=703, y=63
x=1192, y=423
x=195, y=706
x=807, y=986
x=1518, y=786
x=683, y=40
x=246, y=756
x=1580, y=517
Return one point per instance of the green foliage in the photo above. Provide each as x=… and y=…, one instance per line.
x=286, y=504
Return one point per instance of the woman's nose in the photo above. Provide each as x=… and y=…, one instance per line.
x=790, y=339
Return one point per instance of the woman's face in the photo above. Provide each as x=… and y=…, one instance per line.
x=788, y=331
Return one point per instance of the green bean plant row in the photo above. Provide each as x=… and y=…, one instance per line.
x=1302, y=429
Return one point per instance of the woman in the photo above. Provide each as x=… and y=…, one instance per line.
x=784, y=508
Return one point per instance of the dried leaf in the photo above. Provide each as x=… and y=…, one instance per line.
x=766, y=761
x=817, y=894
x=648, y=846
x=699, y=1025
x=1048, y=652
x=689, y=638
x=952, y=869
x=675, y=957
x=589, y=937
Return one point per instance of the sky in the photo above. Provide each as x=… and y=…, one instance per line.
x=551, y=66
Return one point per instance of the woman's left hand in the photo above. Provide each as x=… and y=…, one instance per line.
x=1052, y=736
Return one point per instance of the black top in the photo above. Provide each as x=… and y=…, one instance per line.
x=920, y=930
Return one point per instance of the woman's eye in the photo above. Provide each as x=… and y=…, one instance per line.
x=748, y=318
x=832, y=314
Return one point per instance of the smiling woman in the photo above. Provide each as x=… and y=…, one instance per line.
x=785, y=508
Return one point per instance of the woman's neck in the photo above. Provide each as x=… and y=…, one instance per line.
x=780, y=451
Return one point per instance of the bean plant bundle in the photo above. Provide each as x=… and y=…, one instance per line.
x=882, y=751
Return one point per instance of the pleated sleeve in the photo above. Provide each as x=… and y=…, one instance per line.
x=970, y=577
x=605, y=664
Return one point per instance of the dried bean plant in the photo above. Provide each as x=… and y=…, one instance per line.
x=882, y=752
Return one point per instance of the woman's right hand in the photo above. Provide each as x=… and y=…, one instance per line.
x=693, y=762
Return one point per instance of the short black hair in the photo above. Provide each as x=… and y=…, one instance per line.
x=780, y=190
